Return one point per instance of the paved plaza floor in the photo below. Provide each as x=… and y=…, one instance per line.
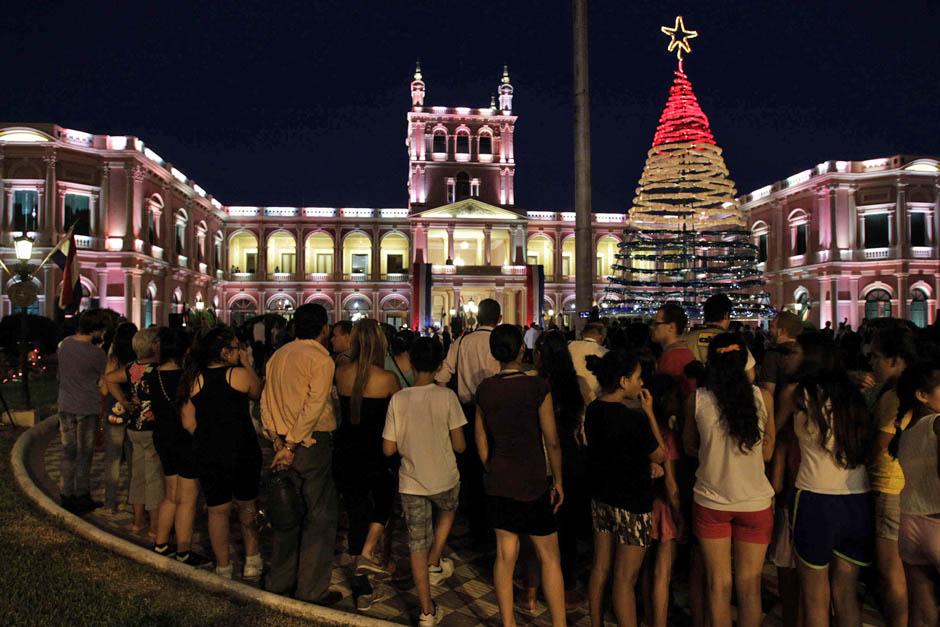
x=468, y=596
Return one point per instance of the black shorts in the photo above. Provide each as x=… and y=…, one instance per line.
x=176, y=456
x=235, y=476
x=833, y=525
x=530, y=518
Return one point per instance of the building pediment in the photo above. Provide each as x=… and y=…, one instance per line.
x=473, y=209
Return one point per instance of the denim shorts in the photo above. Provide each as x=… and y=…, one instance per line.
x=417, y=508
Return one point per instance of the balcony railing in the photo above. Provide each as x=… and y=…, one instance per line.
x=83, y=241
x=921, y=252
x=319, y=276
x=280, y=276
x=156, y=252
x=360, y=277
x=877, y=253
x=242, y=276
x=797, y=260
x=400, y=277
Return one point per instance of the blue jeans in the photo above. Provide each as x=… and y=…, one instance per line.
x=116, y=446
x=77, y=432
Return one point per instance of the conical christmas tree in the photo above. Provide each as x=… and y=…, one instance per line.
x=685, y=237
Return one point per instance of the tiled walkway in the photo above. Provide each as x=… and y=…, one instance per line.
x=467, y=597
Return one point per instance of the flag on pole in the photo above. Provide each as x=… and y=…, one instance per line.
x=64, y=256
x=421, y=296
x=535, y=293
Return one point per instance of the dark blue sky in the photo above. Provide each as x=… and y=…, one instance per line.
x=303, y=103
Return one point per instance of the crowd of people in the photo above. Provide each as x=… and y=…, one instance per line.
x=720, y=447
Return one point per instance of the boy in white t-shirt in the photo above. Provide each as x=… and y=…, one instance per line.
x=425, y=425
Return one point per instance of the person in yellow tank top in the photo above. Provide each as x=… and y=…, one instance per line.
x=891, y=351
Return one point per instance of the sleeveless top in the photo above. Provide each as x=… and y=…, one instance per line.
x=729, y=479
x=115, y=413
x=223, y=418
x=163, y=402
x=143, y=419
x=364, y=439
x=917, y=453
x=819, y=472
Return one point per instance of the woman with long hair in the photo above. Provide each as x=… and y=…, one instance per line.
x=832, y=515
x=175, y=447
x=730, y=428
x=917, y=447
x=120, y=356
x=216, y=389
x=554, y=365
x=515, y=419
x=892, y=349
x=397, y=361
x=621, y=444
x=366, y=480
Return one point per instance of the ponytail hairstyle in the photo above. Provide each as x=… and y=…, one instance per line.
x=832, y=401
x=726, y=379
x=610, y=368
x=922, y=376
x=367, y=348
x=122, y=346
x=206, y=349
x=558, y=369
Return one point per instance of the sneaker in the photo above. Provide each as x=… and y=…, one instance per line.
x=191, y=558
x=365, y=566
x=225, y=572
x=434, y=618
x=437, y=574
x=364, y=601
x=253, y=567
x=163, y=549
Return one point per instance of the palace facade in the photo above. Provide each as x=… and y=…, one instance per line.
x=847, y=239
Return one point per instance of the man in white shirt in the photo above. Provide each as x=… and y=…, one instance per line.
x=591, y=343
x=529, y=339
x=472, y=362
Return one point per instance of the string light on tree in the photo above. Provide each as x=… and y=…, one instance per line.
x=685, y=237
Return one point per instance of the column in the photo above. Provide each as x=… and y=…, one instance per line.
x=487, y=244
x=376, y=256
x=262, y=270
x=780, y=230
x=833, y=209
x=557, y=255
x=519, y=246
x=900, y=215
x=301, y=269
x=834, y=301
x=824, y=312
x=93, y=204
x=852, y=212
x=128, y=295
x=103, y=288
x=338, y=255
x=103, y=205
x=902, y=296
x=853, y=294
x=418, y=245
x=7, y=223
x=450, y=244
x=134, y=177
x=47, y=224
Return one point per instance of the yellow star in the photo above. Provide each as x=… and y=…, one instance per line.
x=680, y=43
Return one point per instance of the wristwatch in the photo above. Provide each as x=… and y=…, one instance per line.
x=290, y=447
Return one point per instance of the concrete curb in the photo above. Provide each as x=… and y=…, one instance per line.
x=235, y=590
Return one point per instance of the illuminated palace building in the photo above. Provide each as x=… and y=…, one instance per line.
x=844, y=240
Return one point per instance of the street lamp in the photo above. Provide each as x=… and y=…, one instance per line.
x=200, y=305
x=23, y=294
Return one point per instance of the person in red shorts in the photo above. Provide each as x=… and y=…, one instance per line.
x=730, y=428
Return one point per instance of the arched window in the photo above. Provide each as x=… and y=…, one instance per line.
x=240, y=310
x=181, y=219
x=356, y=308
x=486, y=145
x=462, y=186
x=77, y=212
x=463, y=143
x=148, y=309
x=439, y=142
x=799, y=232
x=877, y=304
x=919, y=307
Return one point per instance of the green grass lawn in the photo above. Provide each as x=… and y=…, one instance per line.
x=52, y=577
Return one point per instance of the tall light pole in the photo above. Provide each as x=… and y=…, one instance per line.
x=584, y=247
x=23, y=294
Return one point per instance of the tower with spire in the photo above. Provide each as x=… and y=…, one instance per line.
x=456, y=153
x=685, y=237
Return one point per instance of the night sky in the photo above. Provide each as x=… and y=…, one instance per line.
x=303, y=103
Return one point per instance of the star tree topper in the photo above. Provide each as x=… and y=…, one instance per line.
x=679, y=37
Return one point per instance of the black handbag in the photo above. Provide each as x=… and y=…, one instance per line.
x=285, y=505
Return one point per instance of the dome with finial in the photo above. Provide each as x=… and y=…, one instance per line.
x=417, y=87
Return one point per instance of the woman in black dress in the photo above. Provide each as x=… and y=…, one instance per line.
x=175, y=447
x=218, y=384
